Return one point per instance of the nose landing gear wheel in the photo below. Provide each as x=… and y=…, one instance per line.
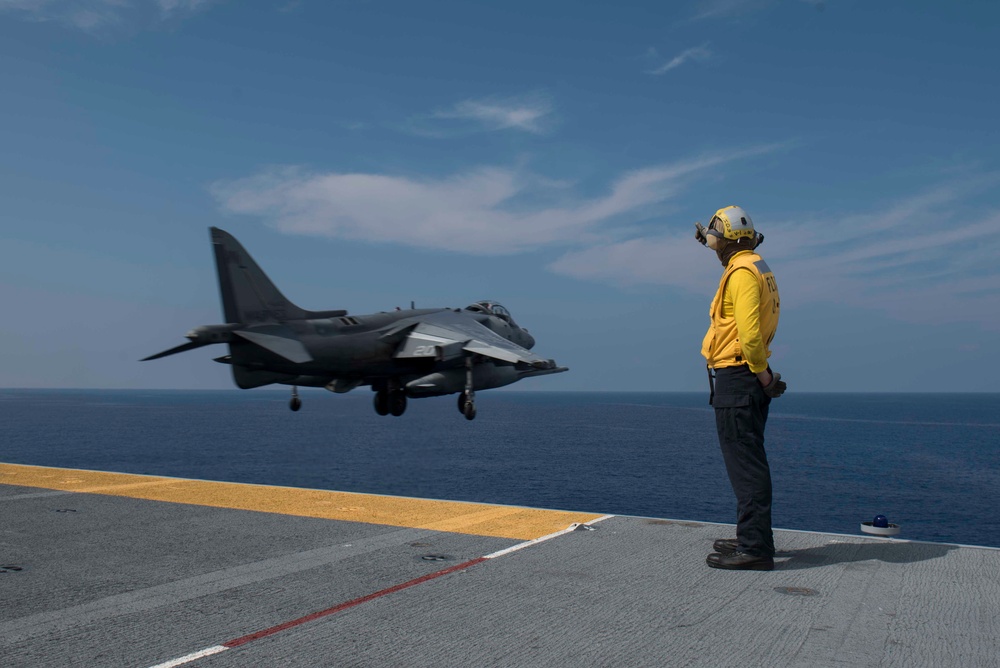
x=295, y=403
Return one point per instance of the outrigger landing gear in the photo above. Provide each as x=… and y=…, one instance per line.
x=296, y=403
x=467, y=399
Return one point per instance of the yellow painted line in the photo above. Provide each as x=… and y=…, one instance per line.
x=454, y=516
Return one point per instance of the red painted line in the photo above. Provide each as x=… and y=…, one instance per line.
x=349, y=604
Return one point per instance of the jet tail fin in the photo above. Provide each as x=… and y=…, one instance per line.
x=248, y=295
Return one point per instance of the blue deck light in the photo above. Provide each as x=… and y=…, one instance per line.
x=880, y=526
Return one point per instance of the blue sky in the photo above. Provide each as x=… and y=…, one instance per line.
x=552, y=156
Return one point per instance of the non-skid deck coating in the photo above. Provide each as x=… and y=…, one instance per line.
x=102, y=569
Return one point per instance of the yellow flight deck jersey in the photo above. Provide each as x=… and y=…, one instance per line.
x=744, y=315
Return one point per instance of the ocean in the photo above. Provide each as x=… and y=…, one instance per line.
x=929, y=462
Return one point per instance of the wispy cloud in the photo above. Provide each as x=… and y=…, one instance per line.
x=929, y=256
x=531, y=113
x=922, y=259
x=697, y=53
x=721, y=9
x=97, y=15
x=86, y=15
x=735, y=9
x=664, y=259
x=176, y=6
x=500, y=115
x=484, y=211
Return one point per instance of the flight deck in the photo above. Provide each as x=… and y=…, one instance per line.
x=108, y=569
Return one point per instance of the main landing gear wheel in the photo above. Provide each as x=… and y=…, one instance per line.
x=382, y=402
x=390, y=402
x=397, y=402
x=296, y=403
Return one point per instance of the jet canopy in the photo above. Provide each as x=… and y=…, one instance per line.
x=490, y=308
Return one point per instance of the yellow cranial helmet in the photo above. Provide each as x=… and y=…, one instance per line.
x=732, y=223
x=728, y=228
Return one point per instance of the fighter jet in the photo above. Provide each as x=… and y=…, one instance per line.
x=400, y=354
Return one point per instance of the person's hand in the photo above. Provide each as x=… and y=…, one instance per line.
x=699, y=234
x=776, y=387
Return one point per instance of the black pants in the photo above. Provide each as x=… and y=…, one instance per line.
x=740, y=415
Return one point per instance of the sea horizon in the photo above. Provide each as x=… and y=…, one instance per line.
x=492, y=391
x=929, y=462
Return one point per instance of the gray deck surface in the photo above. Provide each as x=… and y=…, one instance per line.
x=126, y=582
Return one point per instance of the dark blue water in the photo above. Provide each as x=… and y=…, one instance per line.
x=931, y=463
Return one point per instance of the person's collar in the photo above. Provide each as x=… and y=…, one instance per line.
x=736, y=254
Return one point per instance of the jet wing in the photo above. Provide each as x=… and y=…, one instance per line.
x=279, y=340
x=449, y=335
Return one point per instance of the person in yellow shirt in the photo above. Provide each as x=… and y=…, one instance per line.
x=744, y=317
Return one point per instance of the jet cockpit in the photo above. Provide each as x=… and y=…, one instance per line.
x=491, y=308
x=507, y=328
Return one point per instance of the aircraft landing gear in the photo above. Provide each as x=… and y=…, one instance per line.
x=397, y=402
x=467, y=406
x=296, y=403
x=381, y=402
x=467, y=399
x=390, y=401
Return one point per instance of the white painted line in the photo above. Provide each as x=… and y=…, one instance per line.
x=281, y=627
x=536, y=541
x=180, y=661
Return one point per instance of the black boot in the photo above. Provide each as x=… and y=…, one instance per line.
x=740, y=561
x=726, y=545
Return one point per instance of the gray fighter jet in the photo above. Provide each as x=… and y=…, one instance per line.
x=400, y=354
